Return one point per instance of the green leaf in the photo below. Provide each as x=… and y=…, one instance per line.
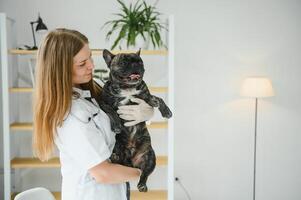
x=120, y=36
x=153, y=40
x=124, y=8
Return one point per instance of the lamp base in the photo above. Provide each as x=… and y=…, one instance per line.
x=33, y=48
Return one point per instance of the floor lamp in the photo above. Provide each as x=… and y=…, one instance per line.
x=256, y=87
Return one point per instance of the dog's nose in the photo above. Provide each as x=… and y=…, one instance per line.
x=134, y=76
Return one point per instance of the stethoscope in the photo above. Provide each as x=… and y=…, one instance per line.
x=90, y=117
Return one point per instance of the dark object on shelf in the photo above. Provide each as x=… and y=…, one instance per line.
x=41, y=27
x=24, y=47
x=101, y=74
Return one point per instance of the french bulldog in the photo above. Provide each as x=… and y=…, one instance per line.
x=133, y=144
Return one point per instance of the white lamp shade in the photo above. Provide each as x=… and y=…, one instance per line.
x=257, y=87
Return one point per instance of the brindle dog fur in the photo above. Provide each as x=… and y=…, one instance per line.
x=133, y=144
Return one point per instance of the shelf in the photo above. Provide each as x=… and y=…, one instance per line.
x=158, y=125
x=135, y=195
x=94, y=52
x=29, y=89
x=27, y=126
x=26, y=162
x=17, y=126
x=20, y=89
x=158, y=89
x=34, y=163
x=161, y=160
x=151, y=195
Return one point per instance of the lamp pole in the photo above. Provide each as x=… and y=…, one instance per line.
x=255, y=148
x=34, y=38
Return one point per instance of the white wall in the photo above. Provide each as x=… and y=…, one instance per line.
x=231, y=40
x=218, y=43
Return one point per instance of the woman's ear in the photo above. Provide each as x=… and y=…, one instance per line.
x=108, y=56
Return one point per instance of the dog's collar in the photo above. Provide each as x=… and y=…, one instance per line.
x=82, y=93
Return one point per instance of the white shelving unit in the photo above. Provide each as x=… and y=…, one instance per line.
x=5, y=106
x=19, y=163
x=171, y=92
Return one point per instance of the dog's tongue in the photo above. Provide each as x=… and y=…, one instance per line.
x=134, y=76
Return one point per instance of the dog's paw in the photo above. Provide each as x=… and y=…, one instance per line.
x=116, y=126
x=167, y=113
x=116, y=129
x=142, y=187
x=114, y=158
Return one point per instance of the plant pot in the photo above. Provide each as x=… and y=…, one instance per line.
x=140, y=43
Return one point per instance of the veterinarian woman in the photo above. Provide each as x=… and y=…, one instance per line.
x=67, y=115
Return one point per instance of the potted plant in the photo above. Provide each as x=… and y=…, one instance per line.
x=138, y=20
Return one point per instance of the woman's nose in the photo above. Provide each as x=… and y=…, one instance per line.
x=90, y=63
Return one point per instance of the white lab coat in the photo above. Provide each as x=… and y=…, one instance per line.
x=82, y=144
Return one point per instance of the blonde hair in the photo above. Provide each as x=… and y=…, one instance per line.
x=53, y=89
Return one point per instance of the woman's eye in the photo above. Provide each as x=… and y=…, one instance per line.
x=82, y=65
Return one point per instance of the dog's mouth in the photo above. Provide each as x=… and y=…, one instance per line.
x=131, y=79
x=134, y=77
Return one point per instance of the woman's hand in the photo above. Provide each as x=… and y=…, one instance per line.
x=135, y=113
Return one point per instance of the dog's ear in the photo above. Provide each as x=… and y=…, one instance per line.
x=138, y=52
x=108, y=56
